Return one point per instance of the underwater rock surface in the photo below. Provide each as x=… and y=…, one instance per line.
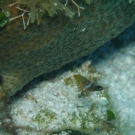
x=26, y=54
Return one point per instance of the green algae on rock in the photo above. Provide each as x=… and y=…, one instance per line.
x=49, y=6
x=3, y=19
x=58, y=40
x=37, y=8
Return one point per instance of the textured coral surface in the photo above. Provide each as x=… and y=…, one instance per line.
x=26, y=54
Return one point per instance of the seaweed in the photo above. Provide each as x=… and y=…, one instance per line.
x=110, y=115
x=35, y=9
x=3, y=21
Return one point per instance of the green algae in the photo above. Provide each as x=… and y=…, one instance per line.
x=111, y=115
x=68, y=81
x=44, y=116
x=39, y=118
x=3, y=19
x=49, y=6
x=37, y=8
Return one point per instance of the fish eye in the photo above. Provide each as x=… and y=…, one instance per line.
x=99, y=87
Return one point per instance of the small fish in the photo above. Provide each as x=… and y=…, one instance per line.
x=86, y=85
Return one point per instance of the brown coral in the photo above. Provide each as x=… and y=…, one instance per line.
x=26, y=54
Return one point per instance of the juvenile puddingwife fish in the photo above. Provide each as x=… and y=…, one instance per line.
x=86, y=85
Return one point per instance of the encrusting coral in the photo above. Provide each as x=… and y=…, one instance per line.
x=26, y=54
